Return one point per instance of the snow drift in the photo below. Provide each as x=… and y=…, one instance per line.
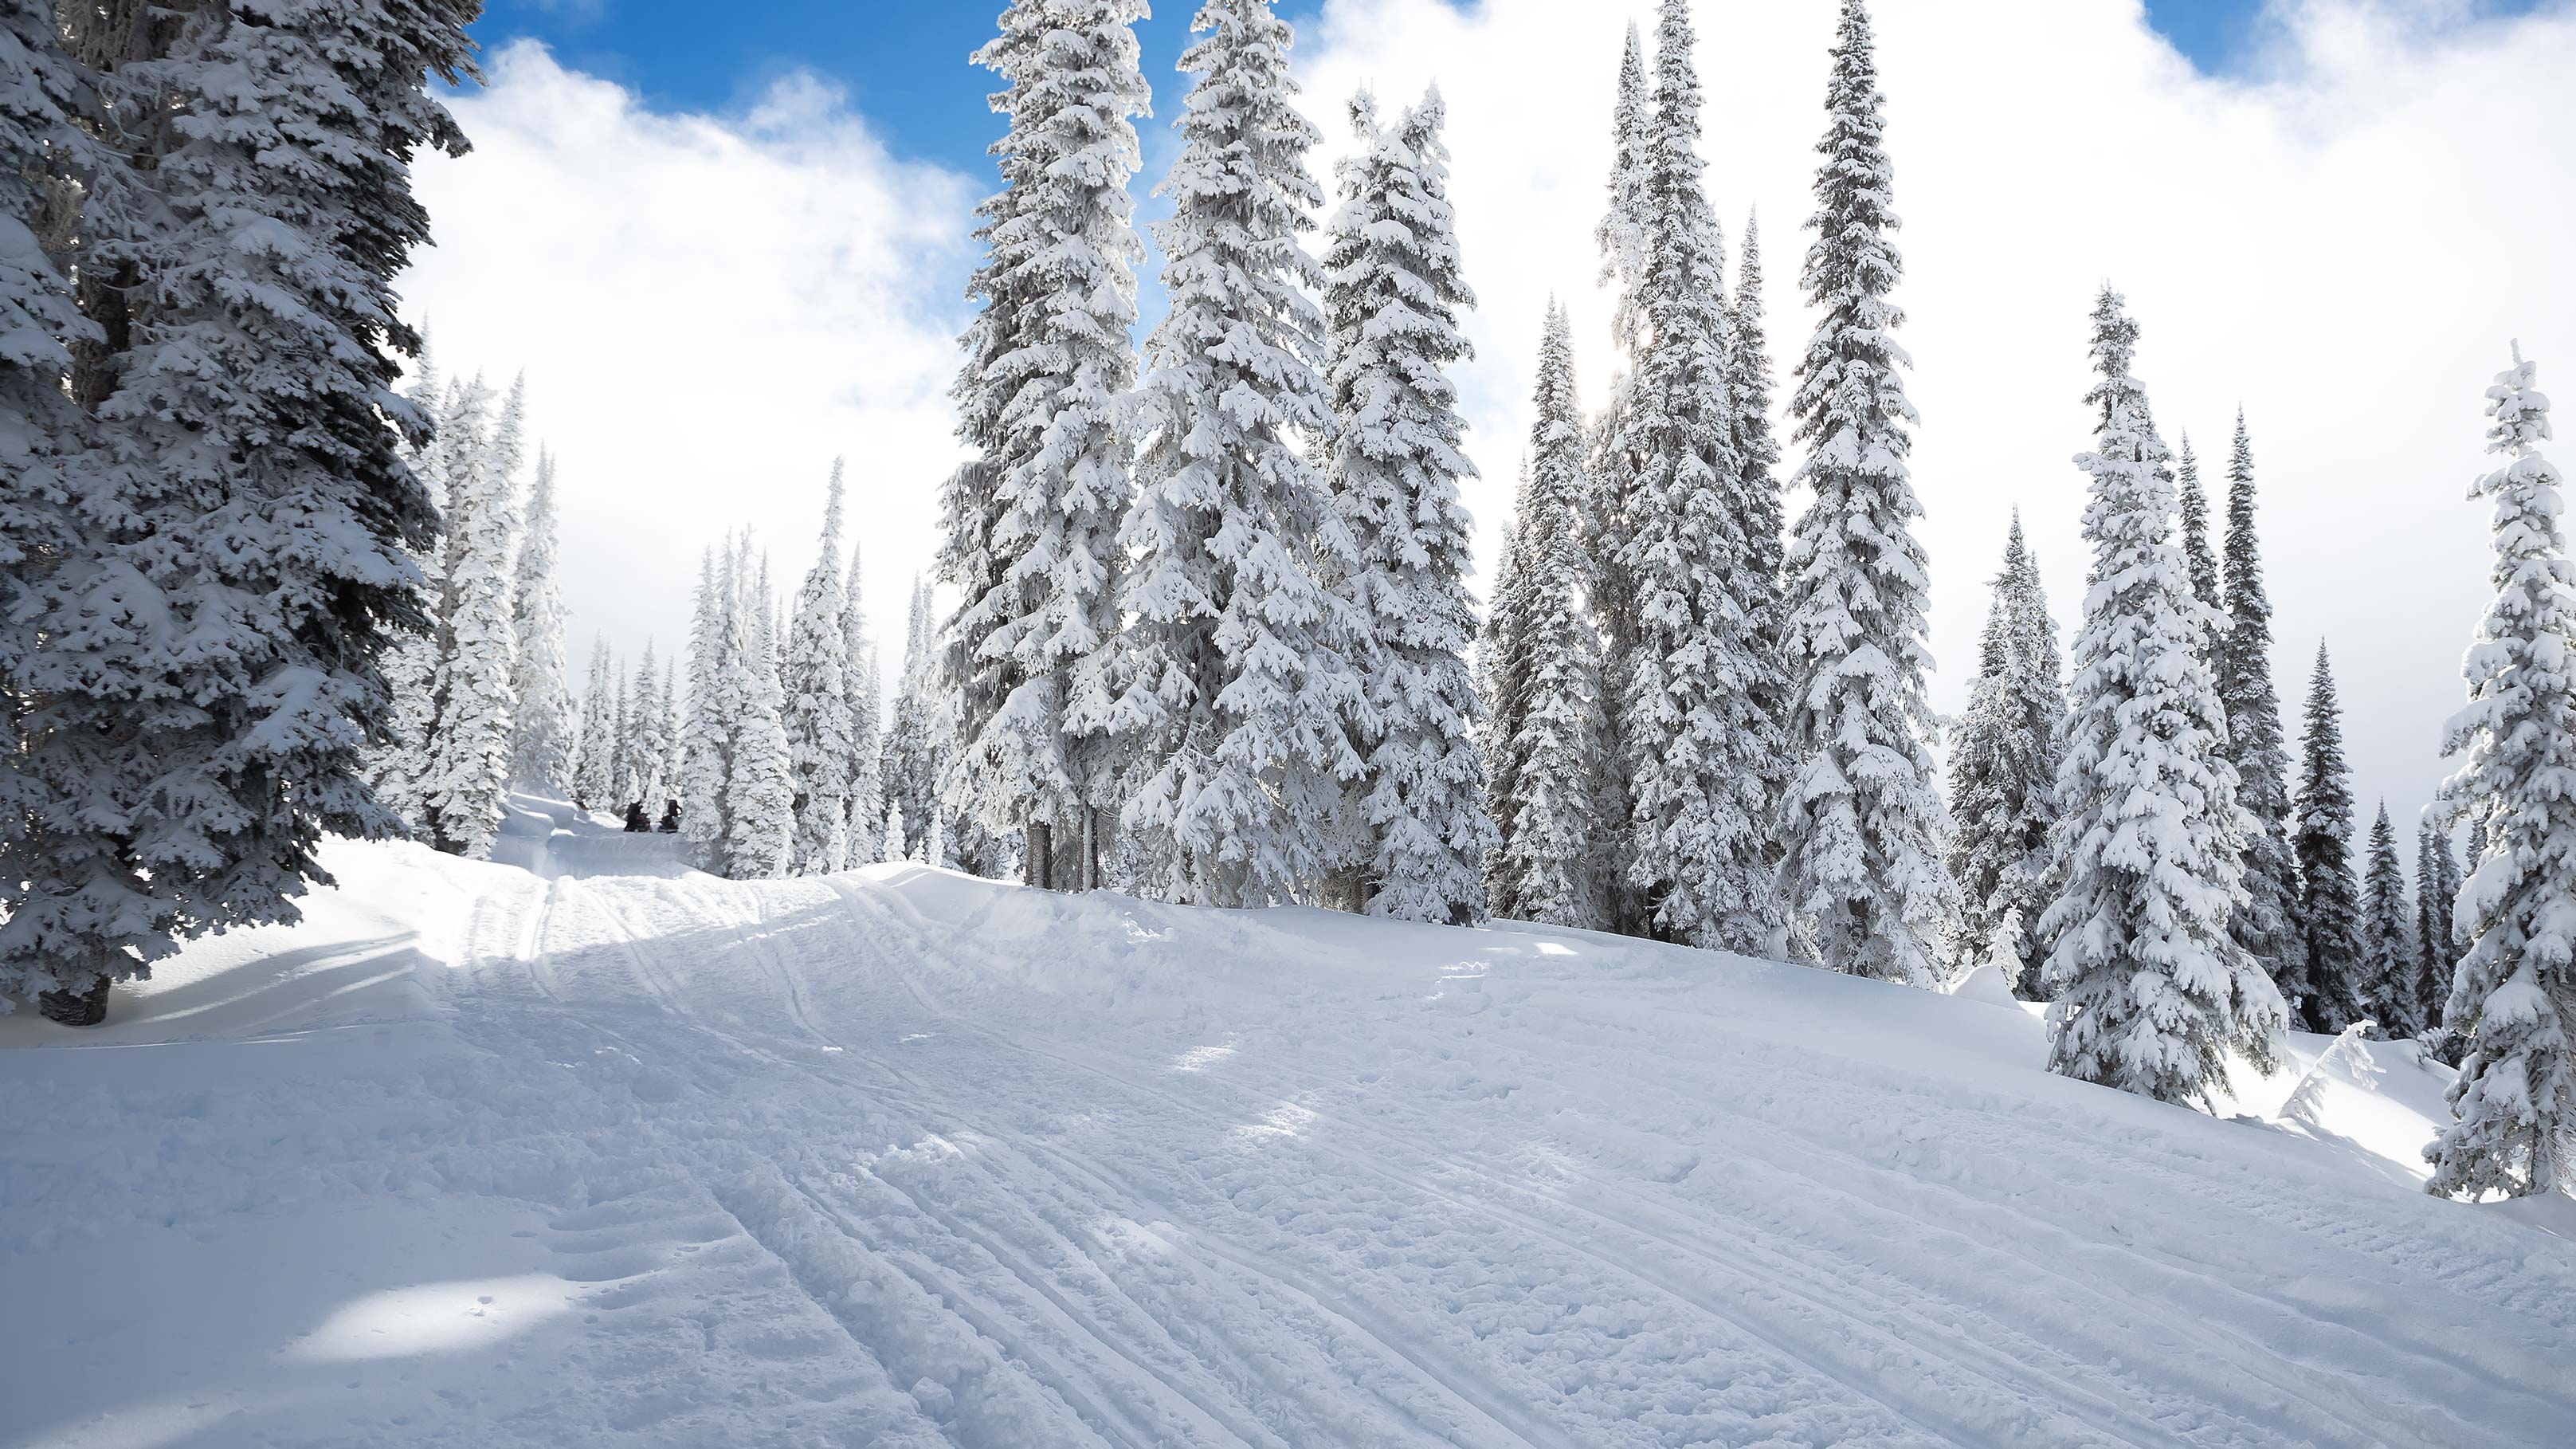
x=587, y=1148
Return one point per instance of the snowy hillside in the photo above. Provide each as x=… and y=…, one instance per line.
x=590, y=1149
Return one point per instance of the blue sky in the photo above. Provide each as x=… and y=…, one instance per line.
x=904, y=61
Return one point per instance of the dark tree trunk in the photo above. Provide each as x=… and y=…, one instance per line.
x=76, y=1008
x=1037, y=857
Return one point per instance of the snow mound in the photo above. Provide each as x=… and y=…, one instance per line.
x=590, y=1149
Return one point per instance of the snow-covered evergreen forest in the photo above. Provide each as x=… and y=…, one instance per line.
x=1205, y=627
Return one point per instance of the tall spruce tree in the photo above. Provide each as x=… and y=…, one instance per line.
x=2514, y=993
x=621, y=738
x=1763, y=514
x=866, y=830
x=2003, y=769
x=1233, y=674
x=473, y=707
x=65, y=874
x=705, y=743
x=2267, y=923
x=912, y=742
x=2197, y=557
x=458, y=414
x=2152, y=989
x=648, y=736
x=759, y=784
x=1551, y=860
x=1392, y=301
x=1700, y=751
x=2388, y=964
x=189, y=758
x=592, y=780
x=543, y=728
x=1030, y=644
x=1622, y=235
x=2437, y=894
x=2329, y=892
x=1502, y=680
x=817, y=689
x=1862, y=824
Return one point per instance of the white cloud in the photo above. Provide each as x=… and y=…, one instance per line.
x=2345, y=245
x=709, y=310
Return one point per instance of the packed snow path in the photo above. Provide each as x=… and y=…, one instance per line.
x=555, y=1157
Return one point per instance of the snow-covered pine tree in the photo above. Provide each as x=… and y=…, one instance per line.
x=2514, y=993
x=971, y=687
x=648, y=742
x=212, y=741
x=2003, y=764
x=892, y=847
x=1232, y=676
x=1863, y=823
x=667, y=765
x=1392, y=302
x=2388, y=965
x=705, y=740
x=2152, y=989
x=1977, y=844
x=912, y=740
x=759, y=784
x=542, y=729
x=621, y=757
x=2267, y=924
x=1551, y=861
x=1029, y=643
x=1622, y=237
x=458, y=414
x=473, y=708
x=816, y=678
x=2329, y=892
x=2437, y=893
x=1701, y=753
x=866, y=705
x=65, y=875
x=1502, y=682
x=592, y=783
x=2196, y=550
x=1763, y=512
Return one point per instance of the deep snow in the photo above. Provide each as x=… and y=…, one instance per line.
x=585, y=1148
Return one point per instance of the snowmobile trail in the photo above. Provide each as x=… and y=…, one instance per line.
x=902, y=1158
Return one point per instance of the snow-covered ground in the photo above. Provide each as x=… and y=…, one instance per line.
x=586, y=1148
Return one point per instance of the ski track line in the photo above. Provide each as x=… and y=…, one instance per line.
x=801, y=1279
x=943, y=1286
x=1493, y=1405
x=695, y=1171
x=980, y=1309
x=1635, y=1271
x=1014, y=1261
x=2231, y=1342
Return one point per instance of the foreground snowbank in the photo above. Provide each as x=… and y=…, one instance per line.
x=590, y=1149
